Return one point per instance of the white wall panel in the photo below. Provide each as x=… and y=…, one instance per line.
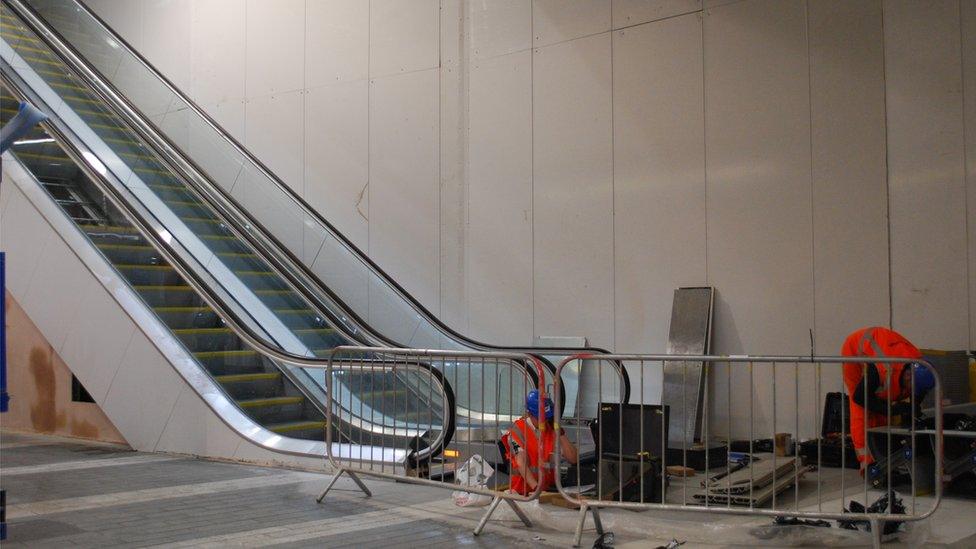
x=555, y=21
x=634, y=12
x=337, y=41
x=57, y=267
x=926, y=171
x=24, y=252
x=849, y=170
x=275, y=46
x=659, y=176
x=166, y=38
x=274, y=132
x=969, y=87
x=453, y=145
x=573, y=192
x=337, y=156
x=217, y=51
x=499, y=28
x=211, y=437
x=403, y=36
x=500, y=189
x=141, y=420
x=403, y=157
x=758, y=169
x=758, y=192
x=92, y=353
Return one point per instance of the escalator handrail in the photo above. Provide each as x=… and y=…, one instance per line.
x=334, y=232
x=228, y=314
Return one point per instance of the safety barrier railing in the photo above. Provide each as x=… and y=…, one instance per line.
x=393, y=388
x=628, y=461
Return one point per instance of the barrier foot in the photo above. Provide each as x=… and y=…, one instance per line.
x=521, y=514
x=582, y=521
x=484, y=519
x=579, y=526
x=596, y=520
x=355, y=478
x=876, y=527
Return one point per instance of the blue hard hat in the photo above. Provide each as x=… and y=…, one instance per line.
x=532, y=405
x=924, y=378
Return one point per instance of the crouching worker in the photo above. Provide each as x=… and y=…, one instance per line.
x=528, y=468
x=867, y=383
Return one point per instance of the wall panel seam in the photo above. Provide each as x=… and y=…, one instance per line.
x=887, y=182
x=813, y=218
x=533, y=51
x=965, y=173
x=701, y=20
x=613, y=203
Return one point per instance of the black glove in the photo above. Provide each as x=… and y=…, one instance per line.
x=903, y=409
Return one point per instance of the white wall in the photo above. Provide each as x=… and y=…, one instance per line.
x=558, y=168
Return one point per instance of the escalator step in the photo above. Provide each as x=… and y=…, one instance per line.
x=247, y=378
x=225, y=354
x=267, y=402
x=293, y=426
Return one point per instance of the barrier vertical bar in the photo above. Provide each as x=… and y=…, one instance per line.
x=4, y=398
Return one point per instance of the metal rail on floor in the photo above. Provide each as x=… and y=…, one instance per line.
x=393, y=388
x=629, y=469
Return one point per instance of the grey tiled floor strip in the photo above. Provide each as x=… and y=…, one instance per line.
x=63, y=492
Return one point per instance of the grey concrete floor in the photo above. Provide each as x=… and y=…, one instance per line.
x=65, y=492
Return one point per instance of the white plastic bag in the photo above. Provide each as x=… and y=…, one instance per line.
x=474, y=472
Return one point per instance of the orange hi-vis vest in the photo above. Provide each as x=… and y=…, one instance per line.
x=526, y=437
x=873, y=342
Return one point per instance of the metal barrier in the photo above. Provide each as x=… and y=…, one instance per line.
x=628, y=466
x=395, y=411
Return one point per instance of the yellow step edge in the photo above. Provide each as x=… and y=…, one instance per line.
x=66, y=98
x=178, y=288
x=166, y=187
x=274, y=401
x=297, y=426
x=19, y=47
x=21, y=33
x=133, y=230
x=144, y=247
x=201, y=331
x=217, y=354
x=100, y=126
x=42, y=61
x=63, y=85
x=42, y=156
x=238, y=378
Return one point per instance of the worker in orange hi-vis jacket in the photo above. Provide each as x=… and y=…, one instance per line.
x=867, y=382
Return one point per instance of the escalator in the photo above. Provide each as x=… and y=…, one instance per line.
x=294, y=279
x=257, y=386
x=285, y=400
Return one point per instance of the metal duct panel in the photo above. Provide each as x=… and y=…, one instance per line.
x=684, y=382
